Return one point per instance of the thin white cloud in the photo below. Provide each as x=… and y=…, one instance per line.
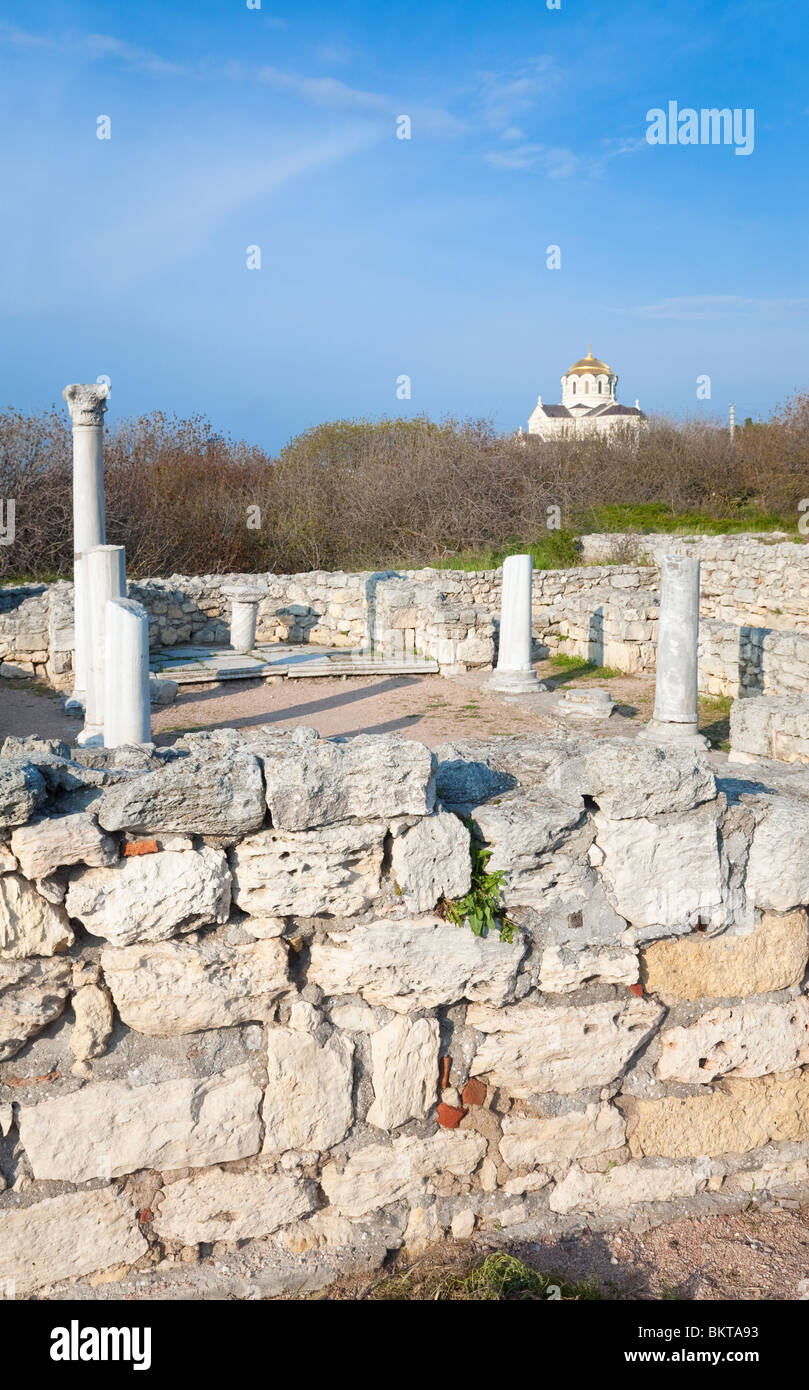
x=20, y=38
x=716, y=306
x=324, y=91
x=335, y=95
x=334, y=54
x=107, y=46
x=559, y=162
x=555, y=161
x=191, y=198
x=504, y=96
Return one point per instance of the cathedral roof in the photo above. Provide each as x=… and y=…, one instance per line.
x=589, y=364
x=561, y=412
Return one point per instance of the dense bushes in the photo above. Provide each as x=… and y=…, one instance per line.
x=357, y=494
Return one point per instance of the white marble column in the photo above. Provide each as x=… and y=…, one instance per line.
x=87, y=404
x=127, y=716
x=105, y=572
x=515, y=671
x=676, y=673
x=243, y=617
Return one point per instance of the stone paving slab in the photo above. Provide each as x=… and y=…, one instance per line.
x=199, y=665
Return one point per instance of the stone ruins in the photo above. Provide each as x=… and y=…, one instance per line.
x=243, y=1045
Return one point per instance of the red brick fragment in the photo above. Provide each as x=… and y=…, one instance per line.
x=474, y=1092
x=135, y=847
x=450, y=1116
x=636, y=989
x=446, y=1064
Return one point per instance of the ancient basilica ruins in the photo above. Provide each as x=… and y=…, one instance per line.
x=258, y=1023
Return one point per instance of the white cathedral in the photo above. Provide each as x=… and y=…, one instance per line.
x=588, y=404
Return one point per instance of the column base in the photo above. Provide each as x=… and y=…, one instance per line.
x=515, y=682
x=74, y=702
x=91, y=736
x=684, y=735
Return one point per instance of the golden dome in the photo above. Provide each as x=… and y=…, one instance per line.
x=589, y=364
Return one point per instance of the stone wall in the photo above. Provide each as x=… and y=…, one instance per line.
x=24, y=636
x=773, y=726
x=751, y=661
x=750, y=580
x=755, y=601
x=239, y=1037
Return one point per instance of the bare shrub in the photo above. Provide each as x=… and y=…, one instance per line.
x=356, y=494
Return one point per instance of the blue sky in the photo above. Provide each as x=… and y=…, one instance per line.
x=233, y=127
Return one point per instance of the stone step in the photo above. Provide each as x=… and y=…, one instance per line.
x=205, y=674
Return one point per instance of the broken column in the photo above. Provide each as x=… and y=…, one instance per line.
x=87, y=404
x=105, y=573
x=127, y=716
x=243, y=617
x=675, y=708
x=515, y=672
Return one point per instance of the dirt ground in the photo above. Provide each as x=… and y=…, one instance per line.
x=757, y=1255
x=432, y=709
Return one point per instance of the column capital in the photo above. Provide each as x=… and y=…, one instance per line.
x=86, y=404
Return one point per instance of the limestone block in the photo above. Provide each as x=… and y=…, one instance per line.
x=531, y=1047
x=742, y=1115
x=180, y=986
x=417, y=964
x=520, y=828
x=162, y=692
x=468, y=776
x=197, y=796
x=7, y=861
x=771, y=957
x=431, y=861
x=353, y=1017
x=22, y=790
x=365, y=778
x=92, y=1008
x=423, y=1228
x=308, y=1101
x=29, y=924
x=380, y=1173
x=335, y=870
x=625, y=1186
x=46, y=844
x=67, y=1237
x=32, y=994
x=529, y=1141
x=778, y=866
x=404, y=1056
x=153, y=896
x=630, y=780
x=563, y=970
x=113, y=1127
x=746, y=1040
x=778, y=1178
x=218, y=1205
x=663, y=873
